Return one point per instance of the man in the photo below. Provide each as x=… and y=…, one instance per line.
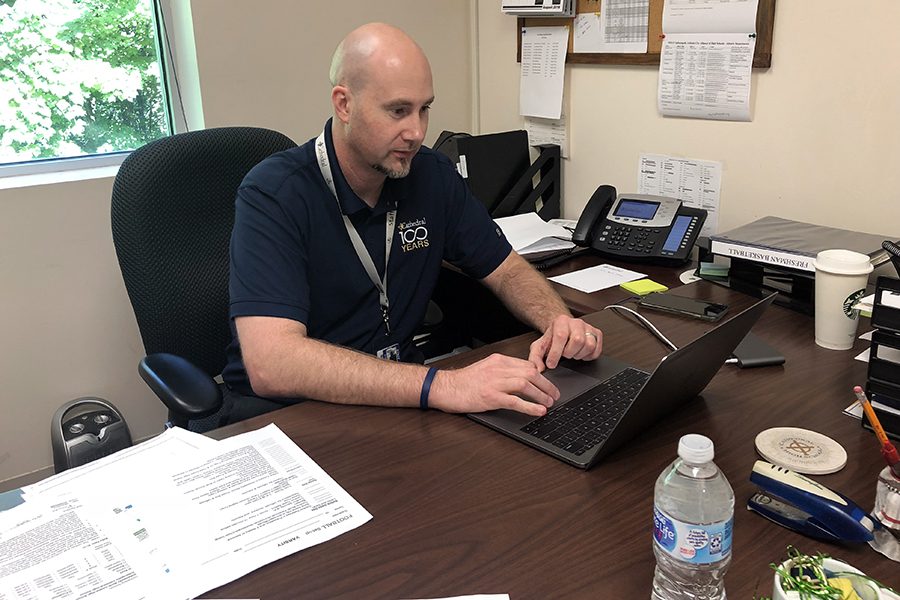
x=308, y=311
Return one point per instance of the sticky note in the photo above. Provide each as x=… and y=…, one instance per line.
x=642, y=287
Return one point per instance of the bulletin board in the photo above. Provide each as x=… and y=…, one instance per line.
x=762, y=56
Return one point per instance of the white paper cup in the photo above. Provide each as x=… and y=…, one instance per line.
x=841, y=277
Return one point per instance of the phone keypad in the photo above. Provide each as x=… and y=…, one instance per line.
x=634, y=240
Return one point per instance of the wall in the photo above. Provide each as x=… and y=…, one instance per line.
x=65, y=320
x=823, y=145
x=266, y=62
x=67, y=327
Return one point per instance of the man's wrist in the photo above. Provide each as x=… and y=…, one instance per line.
x=426, y=388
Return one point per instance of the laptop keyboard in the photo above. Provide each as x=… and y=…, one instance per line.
x=582, y=423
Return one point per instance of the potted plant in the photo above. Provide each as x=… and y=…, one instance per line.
x=820, y=577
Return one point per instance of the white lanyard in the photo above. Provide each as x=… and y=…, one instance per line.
x=358, y=245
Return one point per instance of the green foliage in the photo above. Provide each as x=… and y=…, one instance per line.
x=77, y=77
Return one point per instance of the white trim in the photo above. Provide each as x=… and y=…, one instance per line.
x=58, y=165
x=80, y=173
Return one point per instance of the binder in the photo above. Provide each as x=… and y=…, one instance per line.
x=498, y=169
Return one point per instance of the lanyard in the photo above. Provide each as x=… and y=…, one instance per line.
x=364, y=257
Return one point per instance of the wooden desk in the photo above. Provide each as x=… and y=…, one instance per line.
x=459, y=509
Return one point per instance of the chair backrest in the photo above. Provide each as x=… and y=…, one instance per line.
x=172, y=215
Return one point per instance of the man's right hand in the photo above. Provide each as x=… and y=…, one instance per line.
x=497, y=381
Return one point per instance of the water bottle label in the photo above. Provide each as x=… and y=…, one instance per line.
x=689, y=542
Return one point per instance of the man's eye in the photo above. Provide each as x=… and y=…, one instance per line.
x=398, y=112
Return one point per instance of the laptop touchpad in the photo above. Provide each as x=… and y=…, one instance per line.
x=570, y=383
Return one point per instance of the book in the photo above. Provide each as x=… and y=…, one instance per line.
x=790, y=244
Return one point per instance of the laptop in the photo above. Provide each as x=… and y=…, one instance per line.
x=597, y=413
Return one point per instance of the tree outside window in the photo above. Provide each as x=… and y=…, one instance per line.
x=78, y=77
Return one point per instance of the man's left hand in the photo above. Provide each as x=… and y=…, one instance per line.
x=566, y=337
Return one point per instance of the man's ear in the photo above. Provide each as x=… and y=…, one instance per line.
x=341, y=98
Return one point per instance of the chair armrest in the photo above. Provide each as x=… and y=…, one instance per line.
x=184, y=388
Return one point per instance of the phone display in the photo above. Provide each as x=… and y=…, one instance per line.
x=700, y=309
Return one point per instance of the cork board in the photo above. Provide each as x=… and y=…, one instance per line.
x=762, y=56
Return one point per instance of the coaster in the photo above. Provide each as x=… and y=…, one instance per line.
x=801, y=450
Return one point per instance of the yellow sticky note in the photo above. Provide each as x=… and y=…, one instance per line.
x=642, y=287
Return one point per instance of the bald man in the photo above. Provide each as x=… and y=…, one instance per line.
x=337, y=247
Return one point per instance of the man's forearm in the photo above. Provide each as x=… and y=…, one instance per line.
x=289, y=364
x=526, y=293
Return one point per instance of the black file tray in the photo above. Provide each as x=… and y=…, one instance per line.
x=883, y=378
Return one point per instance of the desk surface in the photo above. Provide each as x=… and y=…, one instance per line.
x=459, y=509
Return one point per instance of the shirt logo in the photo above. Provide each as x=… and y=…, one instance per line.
x=413, y=234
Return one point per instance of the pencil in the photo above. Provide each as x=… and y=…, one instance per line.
x=888, y=451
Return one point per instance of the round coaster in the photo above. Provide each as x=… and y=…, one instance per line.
x=801, y=450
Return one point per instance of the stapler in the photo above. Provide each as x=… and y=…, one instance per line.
x=808, y=507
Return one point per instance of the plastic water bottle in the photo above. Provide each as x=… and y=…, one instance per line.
x=693, y=516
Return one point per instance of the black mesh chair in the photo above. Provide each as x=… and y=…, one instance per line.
x=172, y=215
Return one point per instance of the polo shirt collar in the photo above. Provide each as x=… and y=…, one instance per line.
x=392, y=193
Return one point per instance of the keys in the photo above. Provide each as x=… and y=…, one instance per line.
x=583, y=423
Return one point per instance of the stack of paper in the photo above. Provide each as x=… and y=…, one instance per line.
x=173, y=517
x=528, y=233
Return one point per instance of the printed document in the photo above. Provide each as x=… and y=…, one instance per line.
x=548, y=131
x=597, y=278
x=528, y=233
x=543, y=67
x=170, y=518
x=706, y=60
x=620, y=27
x=697, y=183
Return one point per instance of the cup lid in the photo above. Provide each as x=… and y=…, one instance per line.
x=843, y=262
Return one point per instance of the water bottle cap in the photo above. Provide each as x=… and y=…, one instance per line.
x=696, y=448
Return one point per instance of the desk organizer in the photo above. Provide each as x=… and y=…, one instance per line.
x=883, y=378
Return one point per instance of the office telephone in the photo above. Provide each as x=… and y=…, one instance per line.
x=639, y=227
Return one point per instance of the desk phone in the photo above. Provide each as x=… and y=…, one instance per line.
x=639, y=227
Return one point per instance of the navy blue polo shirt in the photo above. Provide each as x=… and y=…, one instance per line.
x=291, y=256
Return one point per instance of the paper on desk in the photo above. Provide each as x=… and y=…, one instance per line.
x=262, y=499
x=528, y=233
x=887, y=353
x=867, y=303
x=476, y=597
x=57, y=550
x=597, y=278
x=184, y=517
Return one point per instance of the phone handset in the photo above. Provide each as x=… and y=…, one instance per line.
x=596, y=209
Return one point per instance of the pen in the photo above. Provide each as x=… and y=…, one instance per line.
x=888, y=451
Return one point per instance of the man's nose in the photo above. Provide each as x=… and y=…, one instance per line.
x=415, y=129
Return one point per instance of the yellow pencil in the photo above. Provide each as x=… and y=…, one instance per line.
x=888, y=451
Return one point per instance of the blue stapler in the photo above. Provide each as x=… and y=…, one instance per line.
x=808, y=507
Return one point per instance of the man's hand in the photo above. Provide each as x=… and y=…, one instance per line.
x=497, y=381
x=566, y=337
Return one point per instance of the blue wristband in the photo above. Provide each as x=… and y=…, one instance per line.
x=426, y=387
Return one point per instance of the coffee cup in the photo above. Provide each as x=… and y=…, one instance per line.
x=841, y=277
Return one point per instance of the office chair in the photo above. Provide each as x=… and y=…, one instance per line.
x=172, y=215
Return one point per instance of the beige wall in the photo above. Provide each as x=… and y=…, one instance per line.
x=67, y=327
x=65, y=321
x=266, y=62
x=823, y=145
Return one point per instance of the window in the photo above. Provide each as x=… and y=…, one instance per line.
x=78, y=78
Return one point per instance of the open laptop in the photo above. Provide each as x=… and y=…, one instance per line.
x=599, y=412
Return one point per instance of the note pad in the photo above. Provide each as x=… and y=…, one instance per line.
x=642, y=287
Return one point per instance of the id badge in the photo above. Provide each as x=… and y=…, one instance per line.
x=392, y=352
